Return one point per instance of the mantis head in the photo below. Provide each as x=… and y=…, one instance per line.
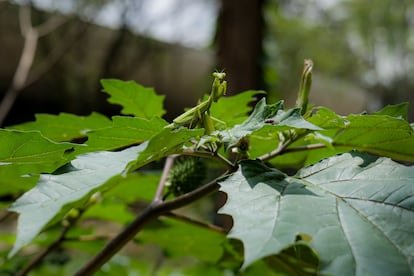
x=219, y=86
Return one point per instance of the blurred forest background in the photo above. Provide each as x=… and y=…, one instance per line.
x=53, y=53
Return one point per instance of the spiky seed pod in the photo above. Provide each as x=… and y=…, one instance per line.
x=186, y=175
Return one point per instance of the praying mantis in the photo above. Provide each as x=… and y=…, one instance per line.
x=200, y=114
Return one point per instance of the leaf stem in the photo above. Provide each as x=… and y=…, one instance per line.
x=212, y=155
x=169, y=162
x=306, y=147
x=196, y=222
x=282, y=146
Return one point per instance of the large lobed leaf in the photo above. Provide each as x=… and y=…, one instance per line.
x=234, y=109
x=56, y=194
x=31, y=151
x=134, y=98
x=383, y=133
x=24, y=155
x=65, y=127
x=166, y=142
x=271, y=116
x=100, y=132
x=124, y=131
x=356, y=211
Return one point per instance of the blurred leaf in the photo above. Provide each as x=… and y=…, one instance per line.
x=136, y=186
x=110, y=211
x=180, y=239
x=398, y=111
x=134, y=98
x=356, y=211
x=297, y=259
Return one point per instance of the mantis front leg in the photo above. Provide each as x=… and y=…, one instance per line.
x=201, y=112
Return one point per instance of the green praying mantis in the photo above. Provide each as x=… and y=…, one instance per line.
x=200, y=114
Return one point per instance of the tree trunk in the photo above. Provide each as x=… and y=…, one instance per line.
x=239, y=43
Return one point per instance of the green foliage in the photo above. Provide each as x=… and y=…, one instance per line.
x=135, y=99
x=317, y=193
x=339, y=204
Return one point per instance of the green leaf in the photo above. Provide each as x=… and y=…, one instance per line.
x=377, y=134
x=356, y=211
x=183, y=239
x=125, y=131
x=56, y=194
x=13, y=180
x=65, y=127
x=234, y=109
x=298, y=259
x=23, y=155
x=110, y=211
x=398, y=111
x=272, y=116
x=382, y=135
x=135, y=99
x=136, y=186
x=164, y=143
x=31, y=152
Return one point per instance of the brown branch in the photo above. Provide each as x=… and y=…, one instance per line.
x=306, y=147
x=169, y=162
x=22, y=71
x=154, y=210
x=55, y=56
x=31, y=36
x=50, y=25
x=281, y=147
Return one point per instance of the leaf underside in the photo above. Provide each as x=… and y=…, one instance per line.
x=357, y=210
x=55, y=194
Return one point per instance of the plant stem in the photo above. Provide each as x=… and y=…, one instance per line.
x=282, y=146
x=306, y=147
x=169, y=162
x=208, y=154
x=196, y=222
x=154, y=210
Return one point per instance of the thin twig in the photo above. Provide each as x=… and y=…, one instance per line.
x=211, y=155
x=282, y=146
x=304, y=148
x=31, y=36
x=169, y=162
x=154, y=210
x=196, y=222
x=51, y=24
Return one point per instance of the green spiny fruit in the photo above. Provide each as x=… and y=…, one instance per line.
x=186, y=175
